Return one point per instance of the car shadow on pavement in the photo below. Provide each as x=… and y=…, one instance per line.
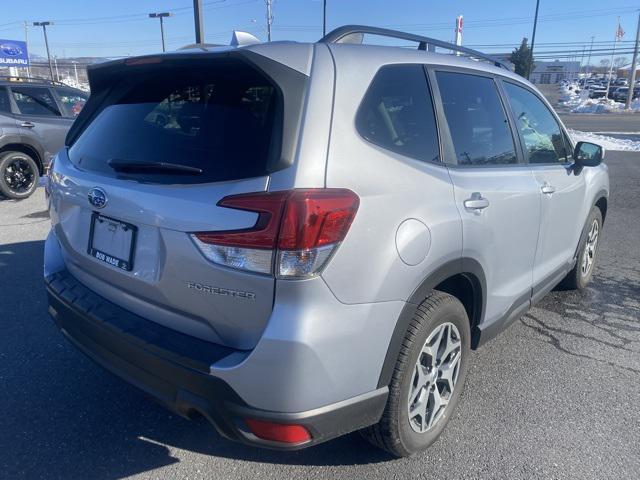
x=62, y=416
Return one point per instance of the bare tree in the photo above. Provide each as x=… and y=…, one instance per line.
x=620, y=62
x=604, y=65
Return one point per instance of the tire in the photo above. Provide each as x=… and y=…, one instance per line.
x=398, y=431
x=19, y=175
x=578, y=278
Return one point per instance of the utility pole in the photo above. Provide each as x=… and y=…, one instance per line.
x=269, y=19
x=46, y=42
x=161, y=16
x=589, y=59
x=55, y=60
x=324, y=18
x=634, y=64
x=75, y=71
x=533, y=38
x=197, y=18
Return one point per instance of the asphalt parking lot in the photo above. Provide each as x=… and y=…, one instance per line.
x=555, y=396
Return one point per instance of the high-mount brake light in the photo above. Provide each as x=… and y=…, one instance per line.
x=295, y=234
x=142, y=61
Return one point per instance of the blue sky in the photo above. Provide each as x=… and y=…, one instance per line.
x=121, y=27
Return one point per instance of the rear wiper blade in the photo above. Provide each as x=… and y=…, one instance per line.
x=125, y=166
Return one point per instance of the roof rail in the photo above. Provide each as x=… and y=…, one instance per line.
x=354, y=34
x=12, y=78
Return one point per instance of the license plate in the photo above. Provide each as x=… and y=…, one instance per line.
x=112, y=241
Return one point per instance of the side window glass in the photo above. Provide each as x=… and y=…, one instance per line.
x=476, y=119
x=35, y=101
x=397, y=113
x=72, y=101
x=5, y=106
x=543, y=140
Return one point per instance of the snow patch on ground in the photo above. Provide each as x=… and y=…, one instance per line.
x=609, y=143
x=601, y=105
x=581, y=103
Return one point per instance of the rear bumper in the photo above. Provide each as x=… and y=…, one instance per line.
x=174, y=368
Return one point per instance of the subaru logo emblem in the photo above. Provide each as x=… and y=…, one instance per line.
x=11, y=49
x=97, y=197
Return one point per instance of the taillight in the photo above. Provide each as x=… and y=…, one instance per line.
x=294, y=236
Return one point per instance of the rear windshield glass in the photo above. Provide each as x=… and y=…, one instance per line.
x=218, y=121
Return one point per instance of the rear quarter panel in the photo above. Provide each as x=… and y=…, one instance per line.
x=392, y=188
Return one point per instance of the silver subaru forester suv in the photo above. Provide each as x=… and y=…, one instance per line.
x=298, y=241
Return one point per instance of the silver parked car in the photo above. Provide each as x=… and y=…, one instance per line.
x=315, y=236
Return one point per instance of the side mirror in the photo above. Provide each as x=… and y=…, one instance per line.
x=588, y=154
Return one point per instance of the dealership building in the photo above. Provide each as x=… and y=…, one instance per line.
x=554, y=72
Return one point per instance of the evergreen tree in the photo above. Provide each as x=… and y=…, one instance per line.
x=522, y=59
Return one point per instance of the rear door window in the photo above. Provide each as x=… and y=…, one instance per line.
x=5, y=105
x=397, y=113
x=476, y=118
x=72, y=100
x=221, y=118
x=36, y=101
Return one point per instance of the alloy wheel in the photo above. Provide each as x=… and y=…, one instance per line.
x=19, y=175
x=434, y=377
x=589, y=254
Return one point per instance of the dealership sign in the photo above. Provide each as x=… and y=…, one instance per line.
x=13, y=53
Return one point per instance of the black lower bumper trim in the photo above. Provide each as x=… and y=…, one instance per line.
x=173, y=368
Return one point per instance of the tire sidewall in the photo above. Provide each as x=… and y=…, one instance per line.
x=454, y=313
x=584, y=280
x=4, y=188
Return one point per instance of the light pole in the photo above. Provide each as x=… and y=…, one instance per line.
x=533, y=38
x=46, y=42
x=161, y=16
x=75, y=71
x=26, y=41
x=589, y=59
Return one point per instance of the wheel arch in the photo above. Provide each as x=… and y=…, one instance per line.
x=602, y=203
x=27, y=150
x=464, y=279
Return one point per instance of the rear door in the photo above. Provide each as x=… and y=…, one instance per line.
x=561, y=189
x=148, y=171
x=495, y=191
x=40, y=118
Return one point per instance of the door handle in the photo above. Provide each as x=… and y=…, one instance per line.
x=547, y=188
x=476, y=203
x=27, y=124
